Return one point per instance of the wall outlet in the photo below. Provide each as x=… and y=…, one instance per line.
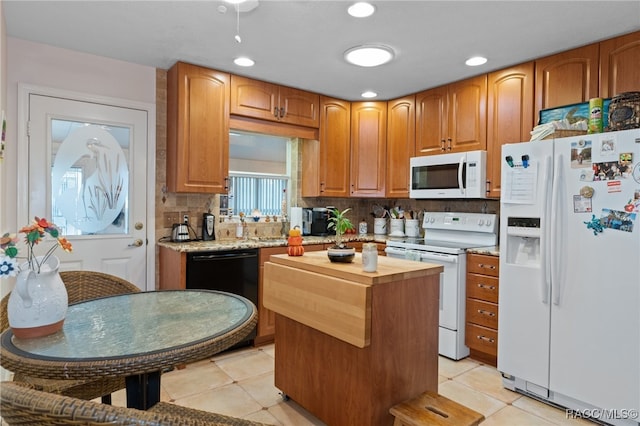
x=185, y=218
x=170, y=218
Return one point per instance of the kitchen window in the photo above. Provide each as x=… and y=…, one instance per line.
x=262, y=192
x=259, y=171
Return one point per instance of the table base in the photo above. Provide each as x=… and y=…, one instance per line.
x=143, y=390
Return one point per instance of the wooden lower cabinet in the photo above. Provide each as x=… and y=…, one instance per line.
x=481, y=331
x=267, y=318
x=352, y=345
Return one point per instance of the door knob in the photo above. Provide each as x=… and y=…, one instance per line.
x=136, y=243
x=138, y=226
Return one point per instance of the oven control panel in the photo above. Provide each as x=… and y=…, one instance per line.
x=475, y=222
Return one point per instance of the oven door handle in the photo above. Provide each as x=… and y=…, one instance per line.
x=447, y=258
x=395, y=250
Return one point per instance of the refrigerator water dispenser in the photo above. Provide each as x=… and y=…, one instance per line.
x=523, y=241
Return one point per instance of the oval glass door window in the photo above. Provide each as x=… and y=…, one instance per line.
x=90, y=178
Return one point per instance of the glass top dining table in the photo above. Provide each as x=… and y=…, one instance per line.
x=134, y=335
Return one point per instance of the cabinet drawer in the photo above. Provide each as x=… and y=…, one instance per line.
x=482, y=313
x=481, y=339
x=483, y=264
x=482, y=287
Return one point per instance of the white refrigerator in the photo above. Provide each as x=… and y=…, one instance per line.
x=569, y=296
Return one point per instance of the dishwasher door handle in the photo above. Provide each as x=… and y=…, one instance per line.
x=225, y=256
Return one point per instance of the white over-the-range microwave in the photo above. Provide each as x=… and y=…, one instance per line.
x=457, y=175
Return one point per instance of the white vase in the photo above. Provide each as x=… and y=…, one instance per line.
x=38, y=304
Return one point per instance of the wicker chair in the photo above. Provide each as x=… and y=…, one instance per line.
x=22, y=405
x=81, y=286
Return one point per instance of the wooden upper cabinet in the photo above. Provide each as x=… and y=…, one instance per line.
x=431, y=121
x=468, y=114
x=368, y=149
x=254, y=98
x=335, y=147
x=300, y=107
x=452, y=118
x=310, y=168
x=620, y=65
x=266, y=101
x=509, y=116
x=401, y=136
x=197, y=129
x=566, y=78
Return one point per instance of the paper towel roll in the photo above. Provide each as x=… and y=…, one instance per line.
x=296, y=217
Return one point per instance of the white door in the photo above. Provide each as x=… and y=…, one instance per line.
x=87, y=174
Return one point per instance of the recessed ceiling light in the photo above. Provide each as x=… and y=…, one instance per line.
x=243, y=61
x=369, y=94
x=361, y=9
x=369, y=55
x=475, y=61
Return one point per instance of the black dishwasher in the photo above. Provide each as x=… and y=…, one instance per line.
x=233, y=271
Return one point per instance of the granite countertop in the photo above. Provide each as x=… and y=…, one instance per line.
x=263, y=242
x=491, y=250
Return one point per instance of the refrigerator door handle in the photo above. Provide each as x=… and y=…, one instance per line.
x=556, y=206
x=460, y=168
x=545, y=282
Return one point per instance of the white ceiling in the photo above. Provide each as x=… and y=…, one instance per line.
x=301, y=43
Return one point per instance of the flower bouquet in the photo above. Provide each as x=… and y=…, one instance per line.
x=34, y=234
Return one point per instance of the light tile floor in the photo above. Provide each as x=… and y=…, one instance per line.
x=240, y=384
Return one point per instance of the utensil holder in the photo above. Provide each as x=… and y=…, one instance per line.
x=380, y=225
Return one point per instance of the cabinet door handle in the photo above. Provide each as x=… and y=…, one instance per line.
x=442, y=148
x=486, y=286
x=283, y=112
x=449, y=144
x=488, y=313
x=481, y=265
x=486, y=339
x=226, y=183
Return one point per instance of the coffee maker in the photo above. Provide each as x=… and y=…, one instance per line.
x=307, y=220
x=320, y=221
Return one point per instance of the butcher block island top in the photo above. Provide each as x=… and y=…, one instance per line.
x=351, y=344
x=389, y=269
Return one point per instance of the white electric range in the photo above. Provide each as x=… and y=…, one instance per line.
x=447, y=236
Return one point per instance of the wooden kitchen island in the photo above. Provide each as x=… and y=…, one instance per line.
x=351, y=344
